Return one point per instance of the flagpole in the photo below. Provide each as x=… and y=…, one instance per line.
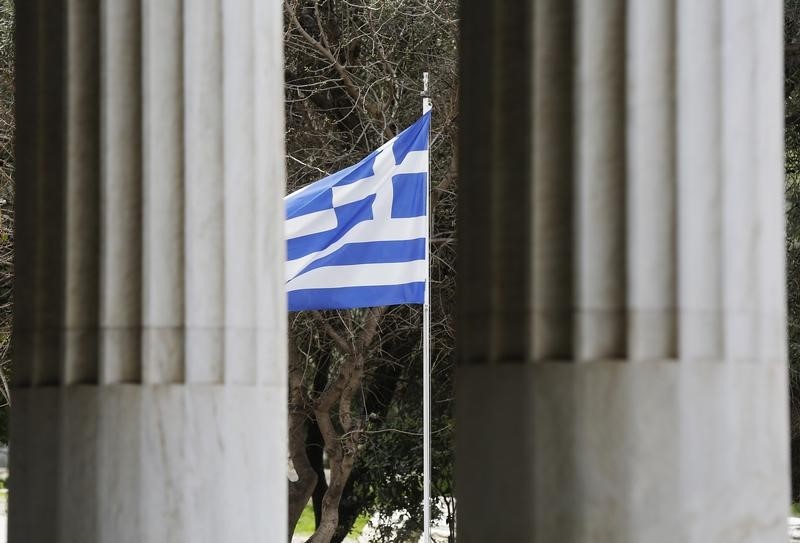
x=426, y=342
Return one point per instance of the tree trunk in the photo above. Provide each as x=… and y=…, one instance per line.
x=378, y=399
x=299, y=491
x=315, y=444
x=341, y=447
x=330, y=503
x=314, y=449
x=350, y=506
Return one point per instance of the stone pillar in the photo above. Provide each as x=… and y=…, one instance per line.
x=149, y=400
x=622, y=309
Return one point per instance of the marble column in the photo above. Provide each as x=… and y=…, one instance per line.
x=149, y=396
x=622, y=316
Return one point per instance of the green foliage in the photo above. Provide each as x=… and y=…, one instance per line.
x=393, y=476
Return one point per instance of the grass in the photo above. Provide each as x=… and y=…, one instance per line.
x=306, y=523
x=305, y=526
x=795, y=512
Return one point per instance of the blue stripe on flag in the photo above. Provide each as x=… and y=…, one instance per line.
x=413, y=138
x=318, y=195
x=347, y=216
x=350, y=297
x=409, y=195
x=372, y=252
x=316, y=198
x=360, y=171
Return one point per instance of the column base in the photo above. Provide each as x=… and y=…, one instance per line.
x=622, y=452
x=141, y=463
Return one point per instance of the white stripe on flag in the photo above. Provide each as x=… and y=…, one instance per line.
x=390, y=230
x=414, y=162
x=360, y=275
x=311, y=223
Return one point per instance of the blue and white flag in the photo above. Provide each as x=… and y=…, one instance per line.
x=358, y=238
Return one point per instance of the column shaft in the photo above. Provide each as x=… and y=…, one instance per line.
x=149, y=400
x=622, y=309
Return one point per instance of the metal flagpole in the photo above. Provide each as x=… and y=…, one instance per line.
x=426, y=341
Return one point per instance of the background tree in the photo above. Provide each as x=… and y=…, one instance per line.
x=353, y=77
x=6, y=203
x=792, y=138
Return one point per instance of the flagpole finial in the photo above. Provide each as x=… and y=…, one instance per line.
x=425, y=94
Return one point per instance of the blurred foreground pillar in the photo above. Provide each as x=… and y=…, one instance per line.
x=622, y=310
x=149, y=399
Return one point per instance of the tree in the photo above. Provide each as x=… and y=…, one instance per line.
x=792, y=137
x=7, y=125
x=353, y=78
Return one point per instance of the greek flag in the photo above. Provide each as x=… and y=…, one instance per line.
x=358, y=238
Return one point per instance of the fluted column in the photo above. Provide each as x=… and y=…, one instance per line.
x=622, y=306
x=149, y=399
